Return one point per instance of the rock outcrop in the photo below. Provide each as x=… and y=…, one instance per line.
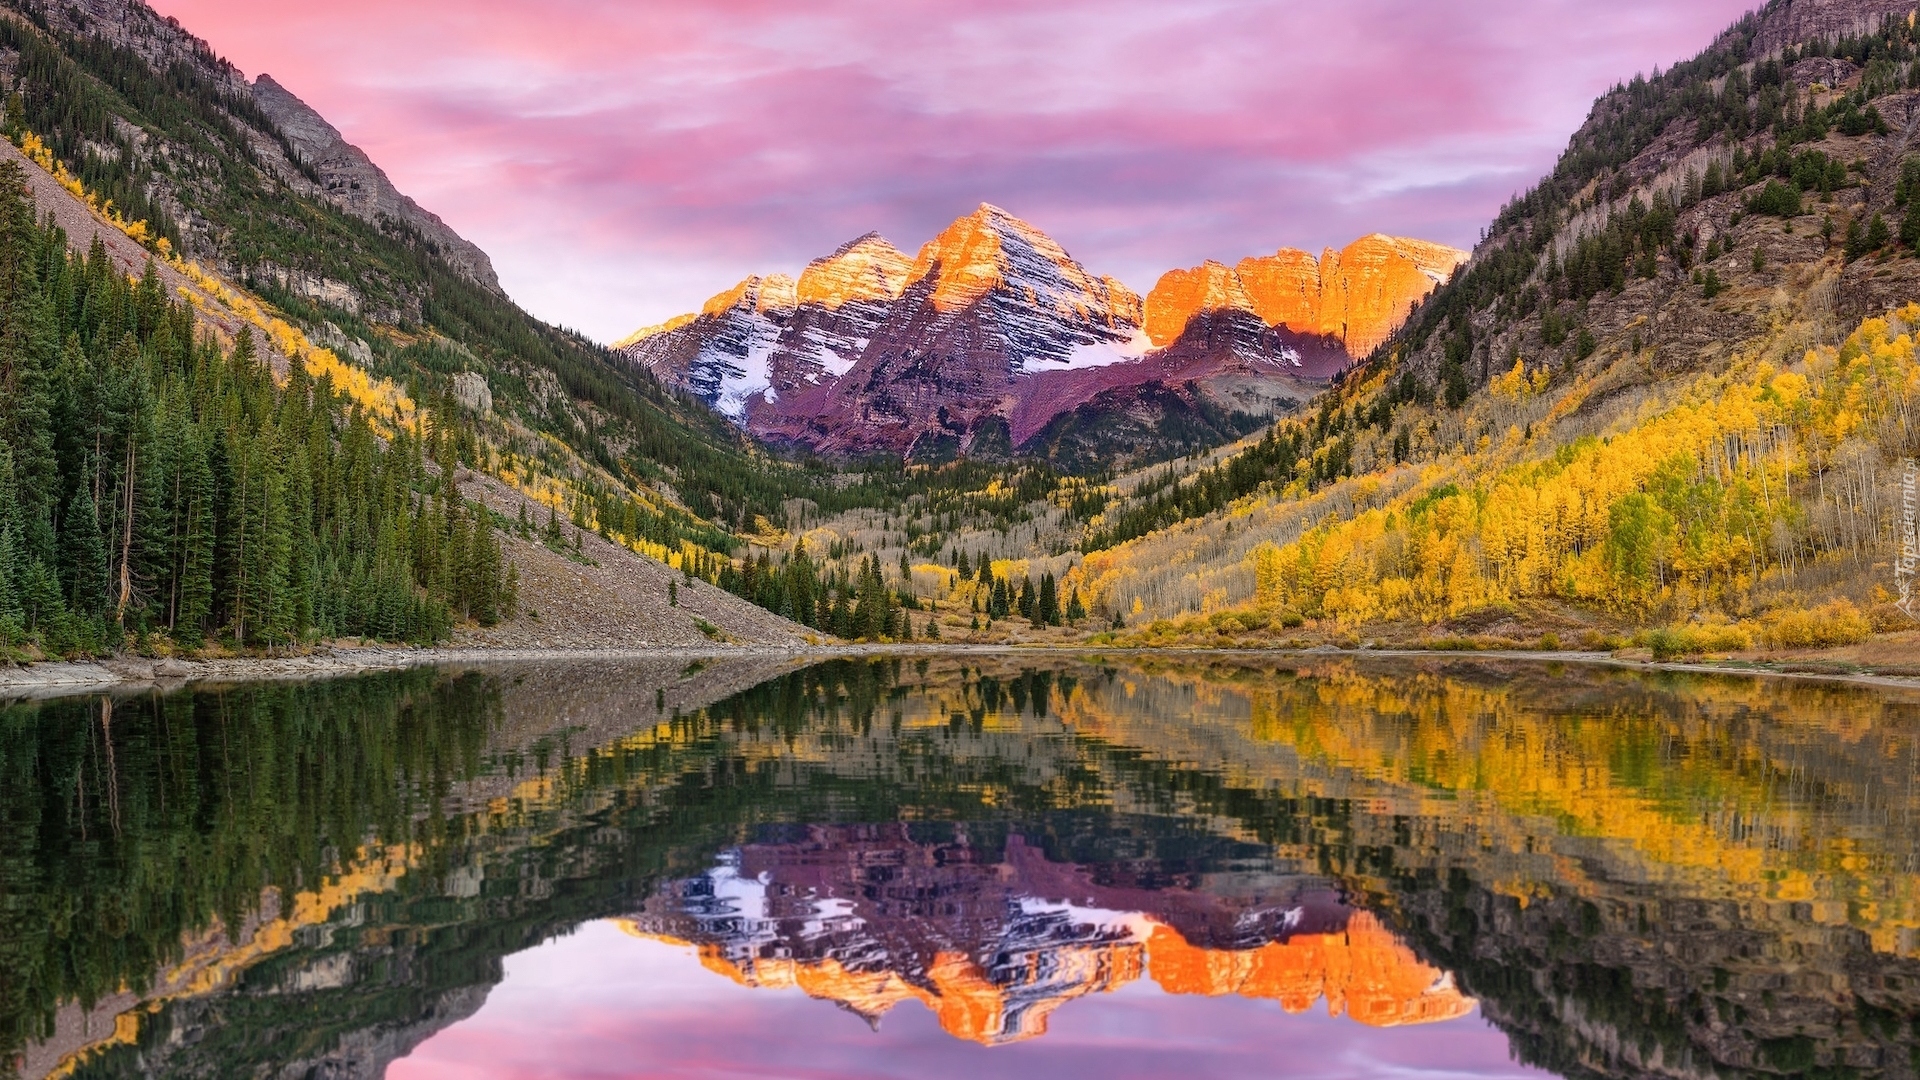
x=1358, y=296
x=1795, y=21
x=350, y=180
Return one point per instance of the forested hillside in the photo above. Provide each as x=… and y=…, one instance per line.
x=155, y=484
x=142, y=123
x=1673, y=389
x=150, y=133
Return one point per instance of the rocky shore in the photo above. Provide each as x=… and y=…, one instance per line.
x=59, y=679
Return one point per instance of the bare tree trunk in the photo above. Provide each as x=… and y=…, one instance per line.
x=126, y=543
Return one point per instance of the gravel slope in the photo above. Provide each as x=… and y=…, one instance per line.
x=620, y=602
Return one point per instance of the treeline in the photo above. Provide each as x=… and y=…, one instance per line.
x=153, y=485
x=852, y=604
x=1273, y=459
x=995, y=596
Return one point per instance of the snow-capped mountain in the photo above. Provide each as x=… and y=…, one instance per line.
x=994, y=340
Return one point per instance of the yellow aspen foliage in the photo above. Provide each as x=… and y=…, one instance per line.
x=1687, y=510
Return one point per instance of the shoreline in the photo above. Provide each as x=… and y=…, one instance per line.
x=54, y=679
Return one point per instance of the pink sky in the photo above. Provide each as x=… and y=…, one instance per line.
x=622, y=161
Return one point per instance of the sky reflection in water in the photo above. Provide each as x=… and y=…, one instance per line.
x=602, y=1003
x=1014, y=865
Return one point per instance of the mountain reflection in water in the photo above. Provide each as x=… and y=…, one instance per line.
x=869, y=917
x=1627, y=874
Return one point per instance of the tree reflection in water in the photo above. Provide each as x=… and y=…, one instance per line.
x=1632, y=874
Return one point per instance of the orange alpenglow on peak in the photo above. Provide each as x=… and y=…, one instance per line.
x=1363, y=972
x=991, y=249
x=655, y=330
x=775, y=292
x=867, y=269
x=1358, y=296
x=1182, y=294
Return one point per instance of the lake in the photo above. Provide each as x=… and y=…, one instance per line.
x=966, y=865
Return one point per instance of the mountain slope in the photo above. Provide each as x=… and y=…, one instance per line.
x=190, y=150
x=1674, y=387
x=994, y=341
x=353, y=182
x=168, y=155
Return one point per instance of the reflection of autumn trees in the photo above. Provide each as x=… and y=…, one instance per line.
x=1613, y=863
x=1727, y=788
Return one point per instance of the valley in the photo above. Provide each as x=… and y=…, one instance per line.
x=1660, y=411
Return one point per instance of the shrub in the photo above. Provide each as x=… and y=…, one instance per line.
x=1697, y=640
x=1595, y=641
x=1777, y=200
x=1837, y=623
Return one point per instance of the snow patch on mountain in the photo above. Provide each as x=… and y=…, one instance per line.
x=836, y=365
x=740, y=381
x=1095, y=354
x=733, y=367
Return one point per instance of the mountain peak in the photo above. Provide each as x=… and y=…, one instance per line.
x=757, y=294
x=990, y=250
x=1357, y=295
x=867, y=268
x=1181, y=294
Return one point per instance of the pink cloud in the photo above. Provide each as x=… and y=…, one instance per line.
x=622, y=161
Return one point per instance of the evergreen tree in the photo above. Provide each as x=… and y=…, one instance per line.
x=12, y=612
x=1878, y=234
x=84, y=555
x=1047, y=607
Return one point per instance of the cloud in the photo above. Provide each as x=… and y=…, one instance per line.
x=622, y=160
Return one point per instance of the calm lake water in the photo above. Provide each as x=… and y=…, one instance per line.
x=966, y=867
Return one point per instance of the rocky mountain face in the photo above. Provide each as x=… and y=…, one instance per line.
x=1358, y=296
x=1790, y=22
x=993, y=340
x=286, y=144
x=350, y=180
